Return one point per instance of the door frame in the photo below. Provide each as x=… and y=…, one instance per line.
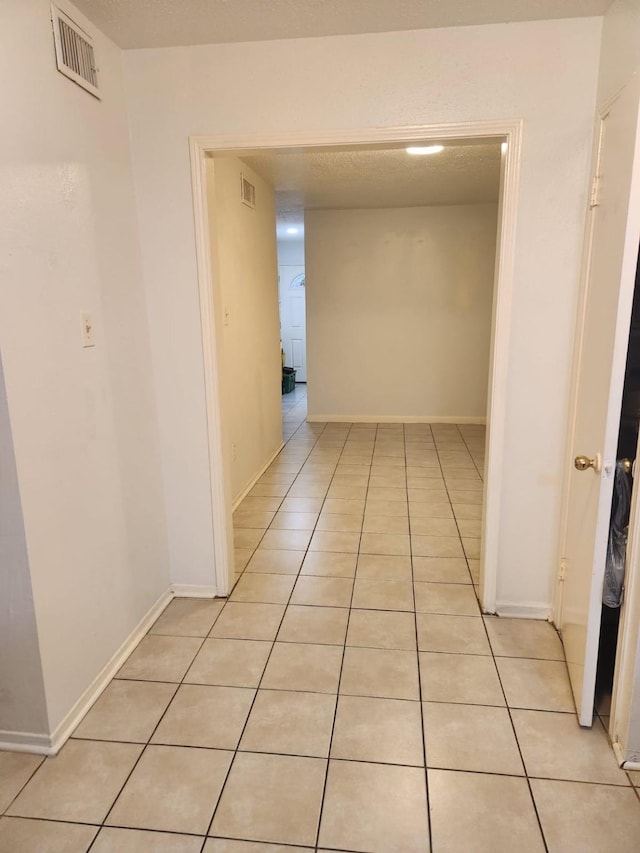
x=282, y=286
x=508, y=131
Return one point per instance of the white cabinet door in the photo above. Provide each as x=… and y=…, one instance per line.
x=293, y=319
x=598, y=383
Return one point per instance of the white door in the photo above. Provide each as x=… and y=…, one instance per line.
x=293, y=319
x=598, y=383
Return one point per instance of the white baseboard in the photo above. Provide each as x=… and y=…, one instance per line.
x=619, y=754
x=395, y=419
x=237, y=501
x=25, y=742
x=186, y=590
x=51, y=744
x=524, y=610
x=631, y=763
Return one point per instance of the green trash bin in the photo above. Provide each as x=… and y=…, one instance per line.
x=288, y=380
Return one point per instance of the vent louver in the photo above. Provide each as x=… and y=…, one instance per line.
x=75, y=55
x=247, y=192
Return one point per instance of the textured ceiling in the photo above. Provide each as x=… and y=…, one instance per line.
x=463, y=173
x=164, y=23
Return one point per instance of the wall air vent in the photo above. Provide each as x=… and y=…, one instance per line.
x=75, y=55
x=247, y=192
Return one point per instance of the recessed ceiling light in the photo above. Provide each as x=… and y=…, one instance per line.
x=292, y=230
x=425, y=149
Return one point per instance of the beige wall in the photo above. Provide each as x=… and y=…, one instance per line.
x=399, y=311
x=84, y=422
x=384, y=80
x=620, y=54
x=23, y=705
x=243, y=246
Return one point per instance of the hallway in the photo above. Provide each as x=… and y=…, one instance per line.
x=294, y=410
x=349, y=680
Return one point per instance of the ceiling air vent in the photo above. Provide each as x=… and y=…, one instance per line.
x=74, y=52
x=247, y=192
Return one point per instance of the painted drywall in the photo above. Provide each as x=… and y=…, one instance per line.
x=243, y=249
x=620, y=56
x=399, y=311
x=22, y=700
x=381, y=80
x=83, y=420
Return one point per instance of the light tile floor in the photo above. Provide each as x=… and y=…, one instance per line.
x=349, y=696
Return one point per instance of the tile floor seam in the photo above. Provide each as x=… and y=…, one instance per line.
x=51, y=820
x=420, y=696
x=288, y=489
x=148, y=742
x=142, y=829
x=33, y=773
x=455, y=516
x=257, y=690
x=515, y=735
x=264, y=670
x=155, y=728
x=338, y=693
x=480, y=473
x=580, y=782
x=349, y=760
x=78, y=823
x=447, y=488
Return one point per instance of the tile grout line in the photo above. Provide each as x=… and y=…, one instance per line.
x=481, y=474
x=442, y=473
x=475, y=464
x=144, y=744
x=148, y=742
x=420, y=696
x=257, y=545
x=264, y=669
x=287, y=845
x=515, y=735
x=455, y=517
x=344, y=651
x=31, y=775
x=273, y=646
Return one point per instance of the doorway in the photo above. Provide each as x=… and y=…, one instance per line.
x=293, y=318
x=602, y=345
x=212, y=320
x=291, y=291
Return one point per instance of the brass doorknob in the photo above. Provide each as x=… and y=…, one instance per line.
x=583, y=462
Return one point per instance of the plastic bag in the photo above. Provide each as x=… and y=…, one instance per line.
x=617, y=545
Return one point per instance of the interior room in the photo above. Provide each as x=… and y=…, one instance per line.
x=429, y=295
x=368, y=684
x=399, y=268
